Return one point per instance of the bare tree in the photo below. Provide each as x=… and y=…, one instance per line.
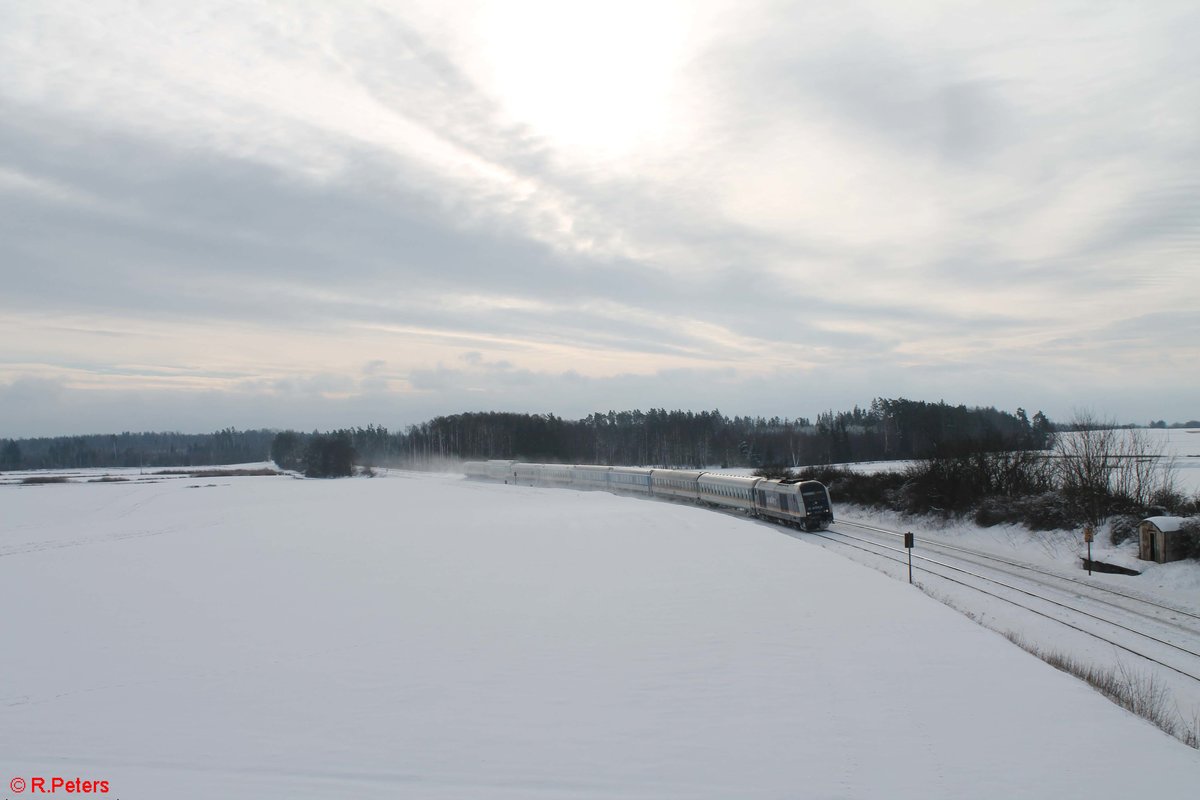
x=1141, y=471
x=1085, y=459
x=1102, y=468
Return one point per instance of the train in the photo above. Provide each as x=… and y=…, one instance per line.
x=800, y=504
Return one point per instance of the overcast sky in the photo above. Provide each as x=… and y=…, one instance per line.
x=318, y=214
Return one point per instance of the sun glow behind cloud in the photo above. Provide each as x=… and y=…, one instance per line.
x=596, y=81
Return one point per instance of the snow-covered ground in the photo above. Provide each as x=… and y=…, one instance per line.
x=425, y=636
x=1143, y=628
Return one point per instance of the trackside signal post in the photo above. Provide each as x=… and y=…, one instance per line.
x=1089, y=533
x=908, y=545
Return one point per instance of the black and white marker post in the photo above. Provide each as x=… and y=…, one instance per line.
x=908, y=545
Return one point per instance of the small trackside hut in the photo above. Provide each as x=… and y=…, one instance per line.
x=1160, y=539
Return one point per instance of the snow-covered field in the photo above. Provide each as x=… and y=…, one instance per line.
x=1181, y=447
x=423, y=636
x=127, y=474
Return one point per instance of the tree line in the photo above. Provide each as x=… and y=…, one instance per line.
x=166, y=449
x=886, y=430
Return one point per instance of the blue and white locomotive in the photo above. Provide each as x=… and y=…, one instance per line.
x=803, y=504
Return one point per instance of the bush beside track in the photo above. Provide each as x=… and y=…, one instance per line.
x=997, y=488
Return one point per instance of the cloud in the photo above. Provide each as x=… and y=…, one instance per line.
x=255, y=201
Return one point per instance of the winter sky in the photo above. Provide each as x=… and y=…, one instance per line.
x=316, y=214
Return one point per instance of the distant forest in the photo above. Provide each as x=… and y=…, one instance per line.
x=887, y=430
x=228, y=446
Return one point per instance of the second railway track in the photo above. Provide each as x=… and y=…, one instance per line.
x=1167, y=643
x=1184, y=620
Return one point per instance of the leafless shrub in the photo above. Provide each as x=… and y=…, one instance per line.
x=1122, y=528
x=1047, y=511
x=1143, y=695
x=1191, y=730
x=773, y=472
x=870, y=489
x=38, y=479
x=1189, y=537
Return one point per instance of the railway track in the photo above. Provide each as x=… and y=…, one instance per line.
x=1185, y=620
x=1172, y=644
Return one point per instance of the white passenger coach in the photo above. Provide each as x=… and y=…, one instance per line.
x=803, y=504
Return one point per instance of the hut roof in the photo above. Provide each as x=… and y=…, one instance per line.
x=1165, y=524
